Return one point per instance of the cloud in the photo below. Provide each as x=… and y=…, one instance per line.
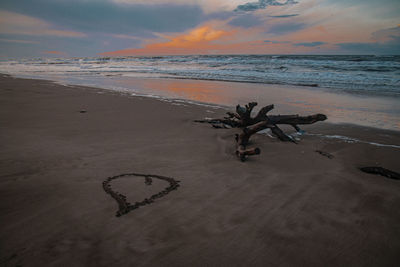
x=125, y=36
x=305, y=44
x=284, y=28
x=18, y=41
x=387, y=42
x=284, y=16
x=262, y=4
x=199, y=35
x=109, y=17
x=208, y=6
x=199, y=39
x=381, y=8
x=54, y=53
x=310, y=44
x=246, y=21
x=386, y=34
x=392, y=48
x=277, y=42
x=14, y=23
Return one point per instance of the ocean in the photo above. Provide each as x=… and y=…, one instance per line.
x=356, y=89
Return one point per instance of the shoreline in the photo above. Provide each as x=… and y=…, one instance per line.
x=287, y=206
x=365, y=111
x=178, y=101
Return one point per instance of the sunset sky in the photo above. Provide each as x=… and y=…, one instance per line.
x=70, y=28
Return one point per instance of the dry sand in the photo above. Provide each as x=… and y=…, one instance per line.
x=289, y=206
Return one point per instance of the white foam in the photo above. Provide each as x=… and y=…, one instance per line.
x=266, y=132
x=353, y=140
x=350, y=140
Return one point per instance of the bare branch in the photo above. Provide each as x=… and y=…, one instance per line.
x=251, y=125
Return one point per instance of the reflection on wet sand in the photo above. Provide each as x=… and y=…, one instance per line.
x=195, y=91
x=198, y=91
x=339, y=107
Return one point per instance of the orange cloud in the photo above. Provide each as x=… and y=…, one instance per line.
x=54, y=53
x=196, y=41
x=200, y=35
x=207, y=40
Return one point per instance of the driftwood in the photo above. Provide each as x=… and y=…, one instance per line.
x=325, y=154
x=381, y=171
x=251, y=125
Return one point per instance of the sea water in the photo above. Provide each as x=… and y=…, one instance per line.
x=357, y=89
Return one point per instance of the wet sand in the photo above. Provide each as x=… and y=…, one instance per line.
x=289, y=206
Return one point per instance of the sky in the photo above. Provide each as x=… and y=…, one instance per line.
x=86, y=28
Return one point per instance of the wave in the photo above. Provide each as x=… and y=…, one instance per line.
x=353, y=140
x=368, y=75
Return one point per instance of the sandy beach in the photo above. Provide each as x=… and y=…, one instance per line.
x=288, y=206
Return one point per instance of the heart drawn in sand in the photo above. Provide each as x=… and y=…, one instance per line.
x=124, y=205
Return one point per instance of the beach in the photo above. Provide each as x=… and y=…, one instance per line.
x=362, y=90
x=288, y=206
